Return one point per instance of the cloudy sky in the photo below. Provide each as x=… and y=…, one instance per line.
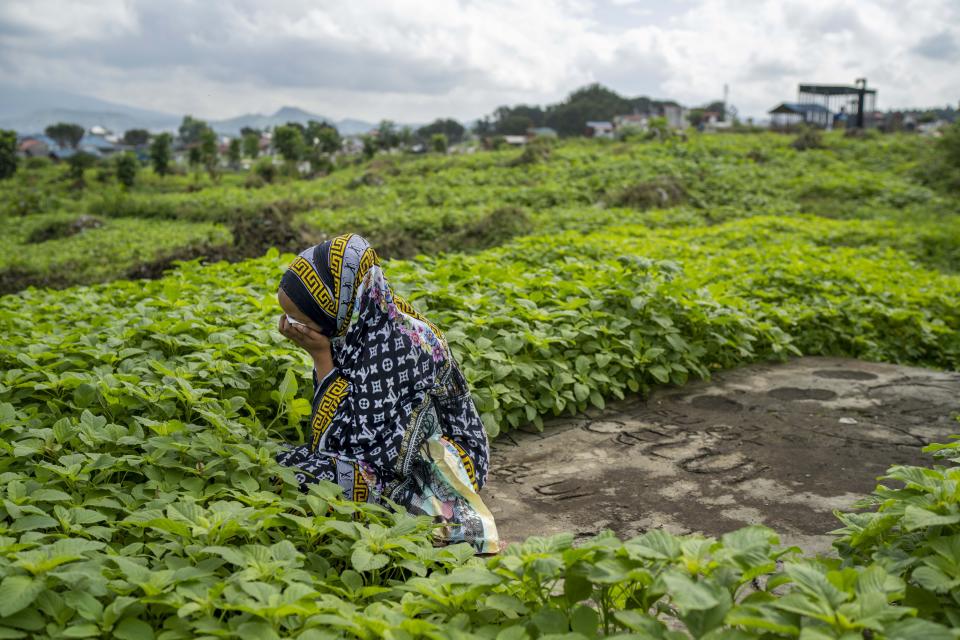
x=413, y=60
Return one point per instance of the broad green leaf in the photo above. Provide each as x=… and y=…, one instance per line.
x=17, y=592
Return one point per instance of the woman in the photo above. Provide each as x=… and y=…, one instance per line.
x=392, y=414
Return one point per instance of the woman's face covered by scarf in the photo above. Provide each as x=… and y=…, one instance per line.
x=389, y=360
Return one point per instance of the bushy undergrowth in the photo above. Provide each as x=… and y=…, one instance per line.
x=433, y=204
x=185, y=527
x=550, y=323
x=61, y=249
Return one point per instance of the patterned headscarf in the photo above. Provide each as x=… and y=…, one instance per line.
x=395, y=381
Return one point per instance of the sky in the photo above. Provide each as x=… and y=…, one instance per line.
x=416, y=60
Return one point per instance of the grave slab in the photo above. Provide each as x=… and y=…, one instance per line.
x=782, y=445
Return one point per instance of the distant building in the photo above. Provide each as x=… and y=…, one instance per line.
x=517, y=141
x=639, y=120
x=828, y=106
x=787, y=114
x=33, y=147
x=599, y=129
x=675, y=114
x=97, y=145
x=542, y=132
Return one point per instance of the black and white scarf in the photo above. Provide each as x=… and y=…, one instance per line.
x=395, y=381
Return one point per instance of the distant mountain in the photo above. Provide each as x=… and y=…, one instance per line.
x=232, y=126
x=32, y=110
x=37, y=121
x=18, y=101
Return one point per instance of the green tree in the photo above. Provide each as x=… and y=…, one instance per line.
x=126, y=167
x=453, y=130
x=160, y=154
x=191, y=129
x=289, y=142
x=320, y=162
x=717, y=106
x=942, y=166
x=8, y=153
x=330, y=140
x=234, y=153
x=370, y=146
x=250, y=131
x=658, y=129
x=696, y=116
x=208, y=153
x=324, y=136
x=65, y=134
x=483, y=126
x=78, y=163
x=251, y=145
x=387, y=135
x=949, y=144
x=406, y=136
x=193, y=156
x=265, y=169
x=439, y=142
x=299, y=127
x=514, y=121
x=134, y=137
x=593, y=102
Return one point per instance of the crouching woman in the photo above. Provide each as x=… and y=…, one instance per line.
x=392, y=414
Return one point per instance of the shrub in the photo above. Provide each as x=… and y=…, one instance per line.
x=809, y=138
x=63, y=228
x=8, y=154
x=661, y=192
x=37, y=163
x=537, y=150
x=160, y=154
x=265, y=169
x=25, y=200
x=949, y=144
x=253, y=181
x=105, y=173
x=78, y=163
x=127, y=166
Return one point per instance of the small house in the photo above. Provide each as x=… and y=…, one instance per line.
x=542, y=132
x=787, y=114
x=32, y=147
x=639, y=120
x=599, y=129
x=97, y=145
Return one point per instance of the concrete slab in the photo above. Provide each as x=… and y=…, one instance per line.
x=776, y=444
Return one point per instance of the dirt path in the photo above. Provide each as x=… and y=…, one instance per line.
x=781, y=445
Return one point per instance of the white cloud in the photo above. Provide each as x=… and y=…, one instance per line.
x=412, y=60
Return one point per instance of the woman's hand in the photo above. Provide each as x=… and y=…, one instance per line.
x=314, y=342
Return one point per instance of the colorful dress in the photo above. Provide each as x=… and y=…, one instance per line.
x=394, y=419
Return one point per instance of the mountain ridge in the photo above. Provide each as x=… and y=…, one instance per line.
x=29, y=111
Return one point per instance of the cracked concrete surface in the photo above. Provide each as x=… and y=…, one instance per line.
x=782, y=445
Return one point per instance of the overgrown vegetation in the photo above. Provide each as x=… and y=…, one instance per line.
x=140, y=497
x=434, y=203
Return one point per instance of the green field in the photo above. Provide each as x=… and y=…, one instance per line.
x=140, y=418
x=429, y=204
